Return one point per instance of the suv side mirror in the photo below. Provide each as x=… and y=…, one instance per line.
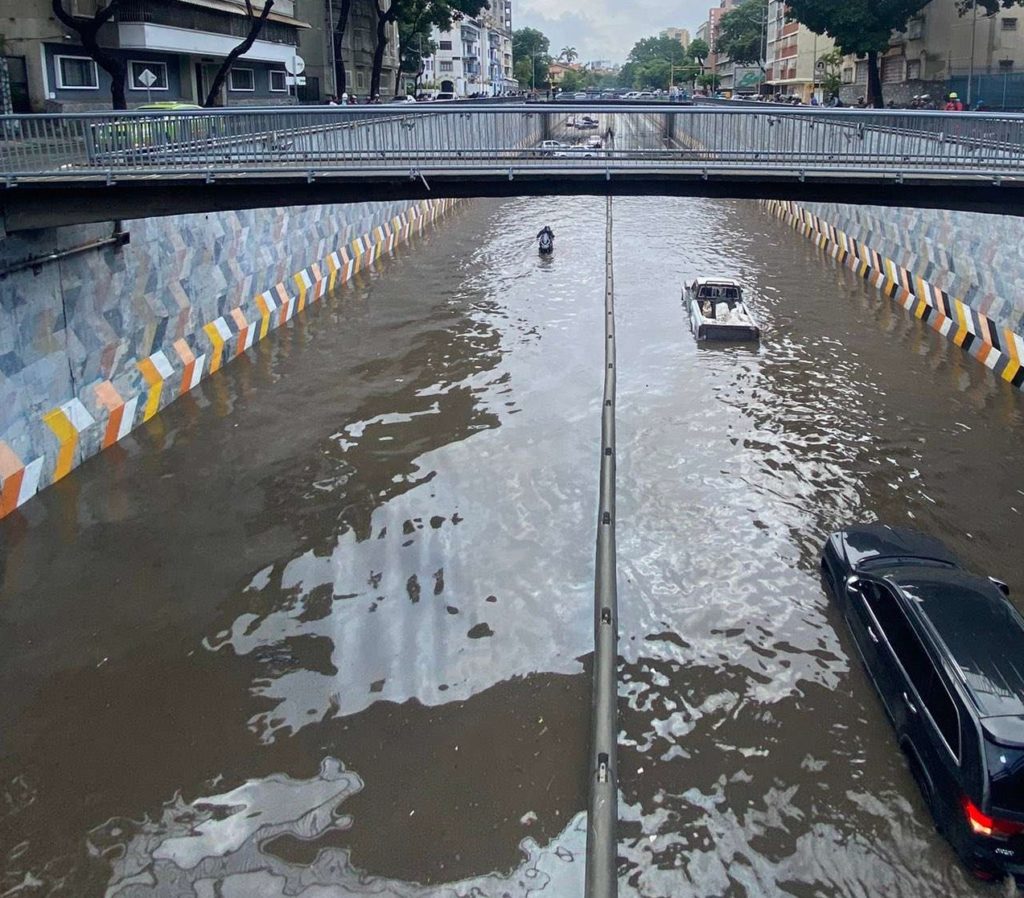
x=854, y=583
x=1002, y=587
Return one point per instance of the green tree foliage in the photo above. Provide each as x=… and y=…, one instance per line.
x=572, y=81
x=416, y=14
x=830, y=68
x=699, y=51
x=741, y=33
x=569, y=55
x=658, y=62
x=531, y=47
x=865, y=26
x=709, y=80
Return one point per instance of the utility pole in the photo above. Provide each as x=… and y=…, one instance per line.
x=974, y=39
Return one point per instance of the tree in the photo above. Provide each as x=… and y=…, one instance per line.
x=87, y=30
x=531, y=46
x=569, y=54
x=340, y=75
x=572, y=81
x=255, y=27
x=741, y=33
x=653, y=62
x=830, y=67
x=385, y=17
x=864, y=27
x=709, y=80
x=417, y=20
x=699, y=51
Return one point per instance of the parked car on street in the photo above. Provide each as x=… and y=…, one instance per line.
x=945, y=650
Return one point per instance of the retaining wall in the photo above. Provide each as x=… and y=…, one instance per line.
x=961, y=272
x=95, y=344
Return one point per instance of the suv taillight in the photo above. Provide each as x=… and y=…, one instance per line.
x=983, y=825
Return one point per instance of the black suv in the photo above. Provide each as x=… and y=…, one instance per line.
x=945, y=650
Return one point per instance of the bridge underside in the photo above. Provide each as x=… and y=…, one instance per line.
x=45, y=204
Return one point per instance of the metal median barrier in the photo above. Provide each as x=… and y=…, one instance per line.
x=314, y=142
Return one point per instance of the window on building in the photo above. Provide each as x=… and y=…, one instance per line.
x=913, y=70
x=137, y=81
x=361, y=80
x=915, y=29
x=242, y=79
x=1009, y=24
x=444, y=45
x=77, y=73
x=278, y=81
x=445, y=65
x=862, y=72
x=893, y=68
x=847, y=75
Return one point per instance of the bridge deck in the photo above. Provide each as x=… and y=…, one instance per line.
x=57, y=169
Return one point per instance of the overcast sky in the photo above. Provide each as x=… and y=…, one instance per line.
x=606, y=29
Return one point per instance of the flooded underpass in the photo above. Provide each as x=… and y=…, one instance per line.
x=324, y=626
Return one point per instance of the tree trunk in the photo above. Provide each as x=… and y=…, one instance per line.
x=340, y=74
x=255, y=27
x=88, y=32
x=383, y=20
x=874, y=82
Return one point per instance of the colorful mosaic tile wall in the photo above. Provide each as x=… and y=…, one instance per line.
x=959, y=272
x=95, y=345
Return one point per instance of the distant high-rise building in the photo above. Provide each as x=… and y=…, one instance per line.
x=678, y=34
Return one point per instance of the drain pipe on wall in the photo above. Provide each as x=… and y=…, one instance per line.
x=118, y=238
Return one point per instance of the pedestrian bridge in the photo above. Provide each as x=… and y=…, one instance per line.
x=64, y=169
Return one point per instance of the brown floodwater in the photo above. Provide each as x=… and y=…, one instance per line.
x=324, y=627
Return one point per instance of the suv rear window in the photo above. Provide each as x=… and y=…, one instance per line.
x=1006, y=775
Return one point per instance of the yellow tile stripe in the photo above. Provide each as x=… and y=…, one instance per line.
x=338, y=267
x=67, y=436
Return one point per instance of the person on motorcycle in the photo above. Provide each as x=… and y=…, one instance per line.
x=548, y=231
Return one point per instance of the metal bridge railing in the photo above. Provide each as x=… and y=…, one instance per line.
x=452, y=136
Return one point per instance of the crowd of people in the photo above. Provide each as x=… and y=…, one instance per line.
x=952, y=103
x=347, y=99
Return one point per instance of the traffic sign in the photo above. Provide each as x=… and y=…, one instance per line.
x=296, y=65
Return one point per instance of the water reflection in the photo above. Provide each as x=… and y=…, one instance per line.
x=755, y=759
x=328, y=631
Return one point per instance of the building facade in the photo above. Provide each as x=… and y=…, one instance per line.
x=474, y=58
x=792, y=55
x=678, y=34
x=172, y=50
x=316, y=46
x=980, y=57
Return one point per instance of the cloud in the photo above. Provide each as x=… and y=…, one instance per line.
x=606, y=29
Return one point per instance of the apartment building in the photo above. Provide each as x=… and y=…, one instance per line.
x=316, y=46
x=474, y=58
x=979, y=56
x=792, y=55
x=172, y=49
x=682, y=35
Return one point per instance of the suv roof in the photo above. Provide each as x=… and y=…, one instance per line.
x=870, y=542
x=980, y=629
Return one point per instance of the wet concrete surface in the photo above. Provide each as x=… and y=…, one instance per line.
x=324, y=626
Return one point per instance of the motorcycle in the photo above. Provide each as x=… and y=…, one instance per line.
x=546, y=244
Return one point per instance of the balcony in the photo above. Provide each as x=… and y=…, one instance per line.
x=210, y=16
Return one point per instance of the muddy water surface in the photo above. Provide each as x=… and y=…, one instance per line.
x=324, y=627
